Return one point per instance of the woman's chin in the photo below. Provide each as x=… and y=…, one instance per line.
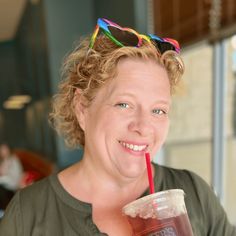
x=133, y=171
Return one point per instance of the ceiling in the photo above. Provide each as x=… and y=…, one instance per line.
x=10, y=14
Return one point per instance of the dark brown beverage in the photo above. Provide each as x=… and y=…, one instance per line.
x=174, y=226
x=159, y=214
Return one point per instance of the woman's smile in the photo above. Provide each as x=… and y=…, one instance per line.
x=134, y=148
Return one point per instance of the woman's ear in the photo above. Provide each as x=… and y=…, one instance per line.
x=79, y=107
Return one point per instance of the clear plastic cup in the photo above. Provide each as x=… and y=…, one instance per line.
x=159, y=214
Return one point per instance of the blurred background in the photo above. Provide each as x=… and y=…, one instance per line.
x=35, y=35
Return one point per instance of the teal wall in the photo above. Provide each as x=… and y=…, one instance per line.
x=66, y=22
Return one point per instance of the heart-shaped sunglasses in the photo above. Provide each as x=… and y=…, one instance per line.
x=129, y=37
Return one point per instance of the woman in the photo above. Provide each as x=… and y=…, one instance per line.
x=114, y=102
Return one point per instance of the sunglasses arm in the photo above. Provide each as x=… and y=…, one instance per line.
x=94, y=35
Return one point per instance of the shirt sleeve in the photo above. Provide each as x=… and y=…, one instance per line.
x=11, y=224
x=217, y=222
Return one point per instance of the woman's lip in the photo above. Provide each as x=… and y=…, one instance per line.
x=134, y=142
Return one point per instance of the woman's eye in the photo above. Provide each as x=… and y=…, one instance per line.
x=122, y=105
x=158, y=111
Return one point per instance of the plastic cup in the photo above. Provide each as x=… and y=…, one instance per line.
x=159, y=214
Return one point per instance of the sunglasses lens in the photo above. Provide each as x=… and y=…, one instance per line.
x=164, y=46
x=125, y=37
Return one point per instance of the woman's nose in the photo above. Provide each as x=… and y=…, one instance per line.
x=141, y=124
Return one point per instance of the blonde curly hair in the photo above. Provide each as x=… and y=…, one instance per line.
x=88, y=69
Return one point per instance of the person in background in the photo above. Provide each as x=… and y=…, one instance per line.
x=114, y=102
x=11, y=172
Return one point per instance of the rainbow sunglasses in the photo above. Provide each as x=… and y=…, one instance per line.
x=128, y=37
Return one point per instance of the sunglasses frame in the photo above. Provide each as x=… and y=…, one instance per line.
x=103, y=24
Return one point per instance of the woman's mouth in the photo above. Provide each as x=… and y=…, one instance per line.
x=134, y=147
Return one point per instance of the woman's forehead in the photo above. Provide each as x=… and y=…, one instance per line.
x=136, y=77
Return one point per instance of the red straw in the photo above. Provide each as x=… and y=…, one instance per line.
x=149, y=171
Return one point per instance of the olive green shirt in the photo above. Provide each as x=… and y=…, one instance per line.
x=46, y=209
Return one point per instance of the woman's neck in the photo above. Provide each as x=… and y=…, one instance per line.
x=91, y=184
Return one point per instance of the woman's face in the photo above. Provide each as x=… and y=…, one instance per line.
x=128, y=117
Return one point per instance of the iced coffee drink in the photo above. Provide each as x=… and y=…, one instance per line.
x=159, y=214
